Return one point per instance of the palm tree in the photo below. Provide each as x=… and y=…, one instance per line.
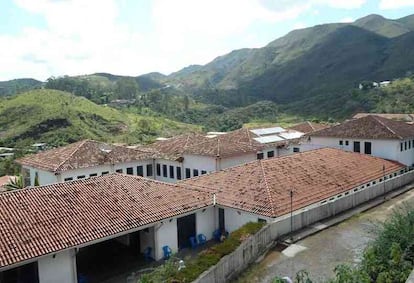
x=14, y=183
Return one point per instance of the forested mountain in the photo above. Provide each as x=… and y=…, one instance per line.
x=18, y=86
x=308, y=73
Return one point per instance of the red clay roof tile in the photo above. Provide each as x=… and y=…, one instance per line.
x=42, y=220
x=83, y=154
x=368, y=127
x=263, y=186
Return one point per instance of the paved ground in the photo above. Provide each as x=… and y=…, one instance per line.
x=320, y=253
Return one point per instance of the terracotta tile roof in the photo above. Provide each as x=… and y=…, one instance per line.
x=83, y=154
x=400, y=116
x=174, y=147
x=42, y=220
x=263, y=186
x=233, y=143
x=308, y=127
x=368, y=127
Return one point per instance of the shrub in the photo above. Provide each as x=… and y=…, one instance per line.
x=204, y=260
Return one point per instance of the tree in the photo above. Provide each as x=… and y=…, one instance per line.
x=127, y=88
x=15, y=183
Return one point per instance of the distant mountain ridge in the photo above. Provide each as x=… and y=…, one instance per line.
x=303, y=68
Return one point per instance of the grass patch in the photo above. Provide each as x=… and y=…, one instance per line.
x=203, y=261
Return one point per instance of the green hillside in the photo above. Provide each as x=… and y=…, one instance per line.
x=18, y=86
x=57, y=118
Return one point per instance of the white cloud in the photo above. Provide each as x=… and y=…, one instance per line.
x=395, y=4
x=346, y=20
x=89, y=36
x=342, y=4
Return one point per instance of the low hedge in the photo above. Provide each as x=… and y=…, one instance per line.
x=203, y=261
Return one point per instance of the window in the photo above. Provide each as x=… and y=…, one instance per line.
x=405, y=145
x=171, y=172
x=178, y=169
x=260, y=220
x=341, y=142
x=270, y=154
x=203, y=172
x=401, y=146
x=158, y=169
x=164, y=171
x=68, y=179
x=130, y=171
x=346, y=142
x=149, y=170
x=140, y=171
x=93, y=175
x=357, y=146
x=296, y=149
x=195, y=172
x=409, y=144
x=367, y=148
x=118, y=170
x=260, y=155
x=81, y=177
x=187, y=173
x=105, y=173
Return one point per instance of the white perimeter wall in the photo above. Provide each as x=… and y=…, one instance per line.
x=58, y=269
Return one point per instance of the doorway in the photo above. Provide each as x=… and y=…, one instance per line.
x=186, y=228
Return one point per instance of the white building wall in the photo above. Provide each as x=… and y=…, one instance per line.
x=60, y=267
x=166, y=235
x=206, y=222
x=388, y=149
x=206, y=163
x=166, y=177
x=45, y=177
x=234, y=219
x=237, y=160
x=146, y=238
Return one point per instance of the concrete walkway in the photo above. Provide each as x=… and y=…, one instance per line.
x=321, y=247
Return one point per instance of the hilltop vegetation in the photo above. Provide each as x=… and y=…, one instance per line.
x=58, y=117
x=310, y=73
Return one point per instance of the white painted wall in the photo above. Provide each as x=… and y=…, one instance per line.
x=147, y=238
x=388, y=149
x=206, y=222
x=166, y=235
x=234, y=219
x=237, y=160
x=45, y=177
x=61, y=268
x=206, y=163
x=168, y=163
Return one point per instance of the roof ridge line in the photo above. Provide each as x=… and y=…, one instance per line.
x=388, y=128
x=250, y=138
x=70, y=155
x=310, y=124
x=267, y=188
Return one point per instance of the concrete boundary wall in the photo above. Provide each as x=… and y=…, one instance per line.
x=231, y=265
x=410, y=278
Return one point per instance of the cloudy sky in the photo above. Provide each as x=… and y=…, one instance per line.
x=43, y=38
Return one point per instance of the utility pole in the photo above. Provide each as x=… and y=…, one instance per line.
x=291, y=215
x=383, y=178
